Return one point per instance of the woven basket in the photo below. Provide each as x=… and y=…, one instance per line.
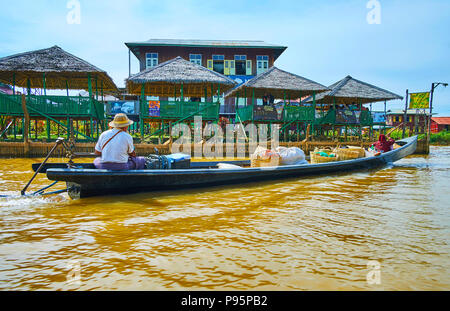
x=362, y=152
x=327, y=150
x=317, y=158
x=257, y=162
x=347, y=153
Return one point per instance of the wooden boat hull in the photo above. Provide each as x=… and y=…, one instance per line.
x=92, y=182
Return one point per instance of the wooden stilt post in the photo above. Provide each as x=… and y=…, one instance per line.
x=28, y=88
x=43, y=83
x=236, y=103
x=161, y=133
x=91, y=105
x=68, y=128
x=15, y=128
x=103, y=122
x=182, y=93
x=170, y=134
x=48, y=129
x=141, y=112
x=360, y=126
x=334, y=123
x=212, y=92
x=371, y=125
x=218, y=99
x=96, y=89
x=308, y=131
x=285, y=129
x=26, y=125
x=253, y=102
x=314, y=117
x=246, y=99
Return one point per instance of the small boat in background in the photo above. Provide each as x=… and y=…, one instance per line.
x=86, y=181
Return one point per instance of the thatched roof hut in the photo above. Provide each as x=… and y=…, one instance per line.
x=351, y=91
x=58, y=66
x=278, y=83
x=166, y=79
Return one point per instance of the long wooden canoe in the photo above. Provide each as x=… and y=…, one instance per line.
x=88, y=181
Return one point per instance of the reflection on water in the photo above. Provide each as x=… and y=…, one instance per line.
x=316, y=233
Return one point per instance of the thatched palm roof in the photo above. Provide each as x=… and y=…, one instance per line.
x=351, y=91
x=166, y=78
x=58, y=65
x=278, y=83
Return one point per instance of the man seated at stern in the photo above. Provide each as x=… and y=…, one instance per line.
x=115, y=147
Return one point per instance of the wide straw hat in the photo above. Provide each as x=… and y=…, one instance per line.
x=120, y=120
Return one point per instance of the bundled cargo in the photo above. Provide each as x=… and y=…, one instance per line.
x=350, y=153
x=179, y=160
x=291, y=156
x=228, y=166
x=263, y=157
x=361, y=150
x=323, y=156
x=347, y=154
x=171, y=161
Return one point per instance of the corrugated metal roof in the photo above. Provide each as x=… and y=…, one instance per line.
x=208, y=43
x=441, y=120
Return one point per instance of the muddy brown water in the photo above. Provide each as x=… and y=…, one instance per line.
x=316, y=233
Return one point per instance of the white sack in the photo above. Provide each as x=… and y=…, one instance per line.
x=291, y=156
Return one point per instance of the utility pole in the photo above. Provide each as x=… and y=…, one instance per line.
x=433, y=86
x=405, y=114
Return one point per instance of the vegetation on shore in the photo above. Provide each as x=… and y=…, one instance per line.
x=441, y=138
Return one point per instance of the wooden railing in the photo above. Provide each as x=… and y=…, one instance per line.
x=55, y=106
x=182, y=109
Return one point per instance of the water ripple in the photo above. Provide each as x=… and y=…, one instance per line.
x=300, y=234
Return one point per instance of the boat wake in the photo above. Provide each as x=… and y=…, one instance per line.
x=16, y=201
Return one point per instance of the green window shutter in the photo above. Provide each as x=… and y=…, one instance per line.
x=210, y=64
x=259, y=67
x=226, y=70
x=248, y=68
x=232, y=68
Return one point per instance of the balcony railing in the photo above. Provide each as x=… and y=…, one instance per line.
x=365, y=118
x=244, y=114
x=54, y=106
x=295, y=113
x=183, y=109
x=328, y=118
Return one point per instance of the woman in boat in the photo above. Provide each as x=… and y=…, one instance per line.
x=115, y=147
x=383, y=145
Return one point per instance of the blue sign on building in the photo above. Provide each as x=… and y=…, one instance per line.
x=241, y=79
x=378, y=117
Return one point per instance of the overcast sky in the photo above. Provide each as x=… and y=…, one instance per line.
x=326, y=39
